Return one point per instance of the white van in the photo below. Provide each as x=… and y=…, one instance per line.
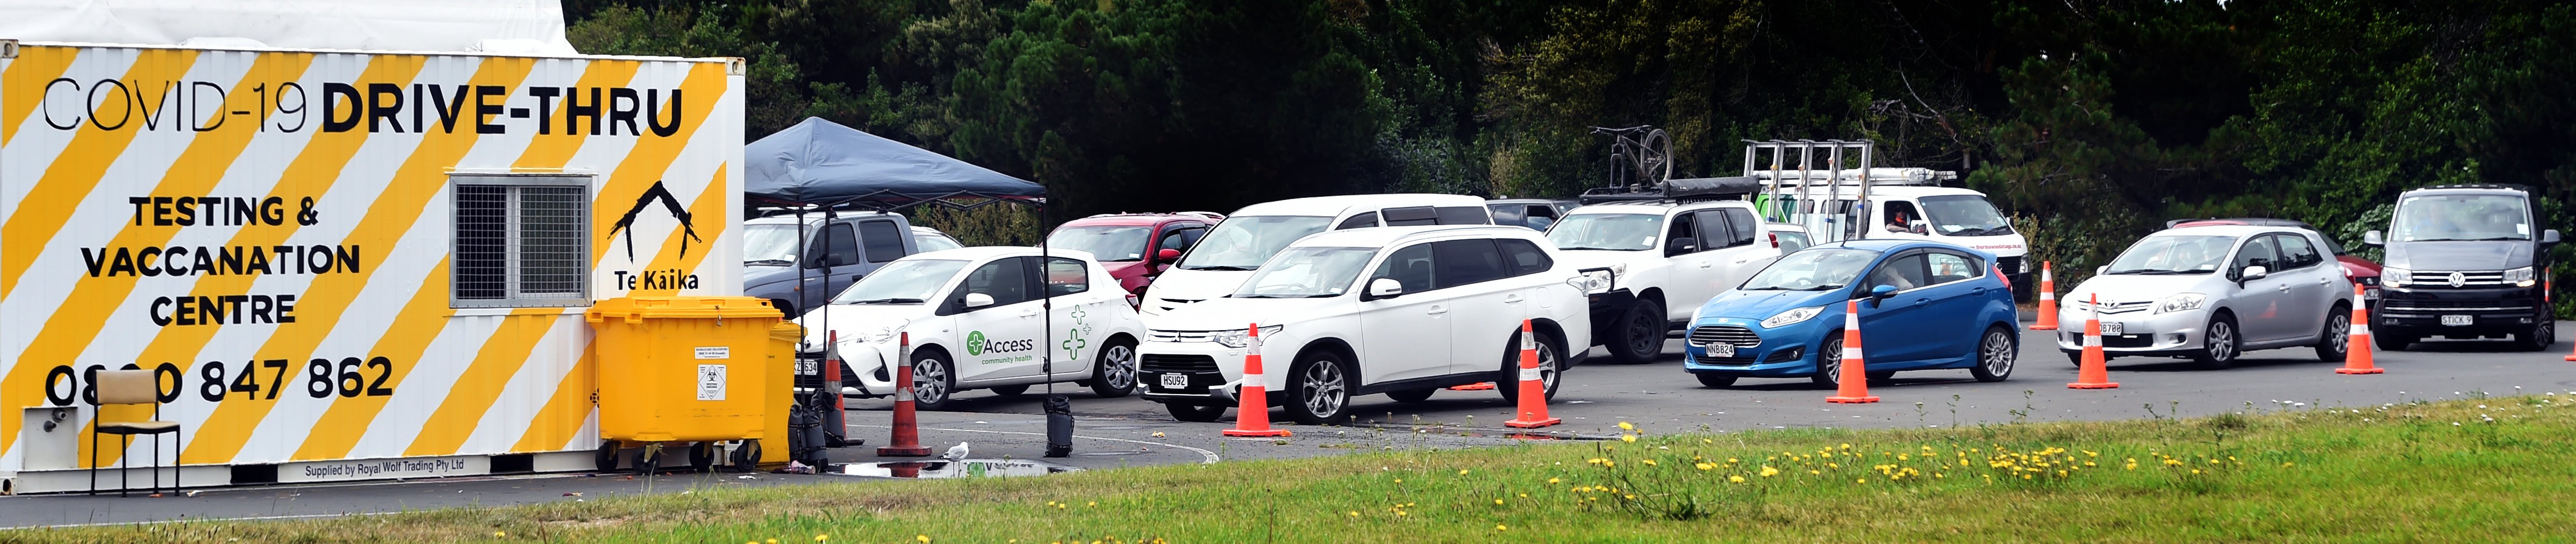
x=1905, y=203
x=1231, y=252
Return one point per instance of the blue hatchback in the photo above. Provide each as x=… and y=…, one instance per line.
x=1923, y=306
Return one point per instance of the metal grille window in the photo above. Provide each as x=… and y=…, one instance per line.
x=521, y=241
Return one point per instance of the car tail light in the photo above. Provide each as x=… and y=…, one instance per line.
x=1999, y=274
x=1775, y=239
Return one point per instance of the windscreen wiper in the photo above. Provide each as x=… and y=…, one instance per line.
x=889, y=301
x=778, y=262
x=1219, y=267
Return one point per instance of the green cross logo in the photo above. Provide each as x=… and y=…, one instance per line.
x=975, y=343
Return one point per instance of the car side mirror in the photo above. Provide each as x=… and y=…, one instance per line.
x=1879, y=293
x=2372, y=238
x=1167, y=254
x=2252, y=273
x=1921, y=227
x=1680, y=246
x=2549, y=236
x=1384, y=288
x=978, y=300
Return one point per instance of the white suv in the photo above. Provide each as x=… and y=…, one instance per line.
x=1218, y=263
x=1663, y=258
x=975, y=319
x=1398, y=310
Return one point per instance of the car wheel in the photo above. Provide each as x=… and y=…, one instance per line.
x=1411, y=395
x=2541, y=336
x=1319, y=388
x=2336, y=339
x=1549, y=365
x=1829, y=361
x=1638, y=338
x=1997, y=352
x=1117, y=376
x=2218, y=345
x=1194, y=413
x=1714, y=381
x=932, y=381
x=1011, y=390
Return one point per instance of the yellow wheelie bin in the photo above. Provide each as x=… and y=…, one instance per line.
x=691, y=370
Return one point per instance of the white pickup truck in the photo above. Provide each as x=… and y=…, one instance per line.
x=1655, y=256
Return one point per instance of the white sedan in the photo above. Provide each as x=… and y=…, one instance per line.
x=977, y=319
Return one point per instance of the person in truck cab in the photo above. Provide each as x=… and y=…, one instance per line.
x=1900, y=217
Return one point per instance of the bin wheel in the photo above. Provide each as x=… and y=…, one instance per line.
x=746, y=457
x=702, y=456
x=607, y=456
x=649, y=461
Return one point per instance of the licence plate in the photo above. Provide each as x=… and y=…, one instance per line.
x=2112, y=328
x=806, y=367
x=1721, y=350
x=2371, y=294
x=2458, y=320
x=1176, y=381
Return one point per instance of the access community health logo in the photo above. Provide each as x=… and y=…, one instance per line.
x=977, y=345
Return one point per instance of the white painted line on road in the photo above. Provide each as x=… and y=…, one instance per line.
x=1211, y=456
x=197, y=520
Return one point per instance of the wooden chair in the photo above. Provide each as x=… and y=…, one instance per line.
x=120, y=388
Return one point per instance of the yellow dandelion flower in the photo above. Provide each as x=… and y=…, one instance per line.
x=1462, y=472
x=2195, y=471
x=1399, y=513
x=1502, y=528
x=1092, y=503
x=1498, y=502
x=1813, y=471
x=2285, y=464
x=500, y=534
x=1706, y=441
x=1627, y=438
x=1767, y=471
x=1739, y=478
x=1552, y=480
x=1860, y=480
x=1624, y=426
x=1648, y=462
x=1355, y=513
x=1399, y=480
x=920, y=538
x=821, y=538
x=1524, y=495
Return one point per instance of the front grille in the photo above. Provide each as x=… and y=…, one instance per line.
x=1739, y=336
x=2129, y=341
x=1178, y=336
x=2431, y=305
x=2010, y=265
x=2468, y=278
x=2114, y=307
x=1738, y=360
x=1176, y=363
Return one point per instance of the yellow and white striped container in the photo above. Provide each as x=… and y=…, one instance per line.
x=275, y=231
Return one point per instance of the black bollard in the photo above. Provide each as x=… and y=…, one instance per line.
x=1059, y=411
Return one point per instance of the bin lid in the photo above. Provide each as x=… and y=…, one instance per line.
x=681, y=307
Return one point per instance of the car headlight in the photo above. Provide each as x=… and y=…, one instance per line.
x=1792, y=317
x=2181, y=302
x=1240, y=338
x=2396, y=277
x=1596, y=281
x=2520, y=277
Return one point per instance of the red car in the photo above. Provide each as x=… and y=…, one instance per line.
x=2359, y=269
x=1135, y=247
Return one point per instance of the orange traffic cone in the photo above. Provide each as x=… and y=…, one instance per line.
x=2356, y=347
x=2047, y=299
x=1252, y=418
x=1854, y=386
x=1533, y=386
x=2092, y=372
x=906, y=441
x=1487, y=386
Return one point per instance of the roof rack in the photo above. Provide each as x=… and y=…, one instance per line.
x=1675, y=190
x=2504, y=186
x=1852, y=176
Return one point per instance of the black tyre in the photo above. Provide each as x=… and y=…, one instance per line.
x=1012, y=390
x=649, y=461
x=1550, y=368
x=1829, y=361
x=1195, y=413
x=1412, y=395
x=702, y=456
x=934, y=380
x=1715, y=381
x=2540, y=337
x=1116, y=370
x=746, y=457
x=2336, y=338
x=1319, y=388
x=1638, y=338
x=606, y=457
x=2219, y=344
x=1997, y=352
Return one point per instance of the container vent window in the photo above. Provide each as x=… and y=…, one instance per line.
x=521, y=241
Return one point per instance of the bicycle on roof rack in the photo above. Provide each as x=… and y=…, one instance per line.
x=1646, y=152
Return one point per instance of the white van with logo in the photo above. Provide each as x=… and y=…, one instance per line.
x=1901, y=203
x=1237, y=246
x=1403, y=311
x=977, y=318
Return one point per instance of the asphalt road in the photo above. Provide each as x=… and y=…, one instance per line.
x=1658, y=397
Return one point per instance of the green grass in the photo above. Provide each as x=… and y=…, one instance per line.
x=2384, y=474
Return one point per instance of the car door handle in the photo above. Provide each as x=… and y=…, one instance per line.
x=1981, y=291
x=1437, y=310
x=1508, y=299
x=1706, y=264
x=1918, y=303
x=1741, y=262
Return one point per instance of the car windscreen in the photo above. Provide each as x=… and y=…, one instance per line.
x=2461, y=217
x=902, y=282
x=1243, y=242
x=769, y=243
x=1815, y=269
x=1964, y=215
x=1307, y=272
x=933, y=242
x=1108, y=243
x=1610, y=231
x=1791, y=242
x=2168, y=255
